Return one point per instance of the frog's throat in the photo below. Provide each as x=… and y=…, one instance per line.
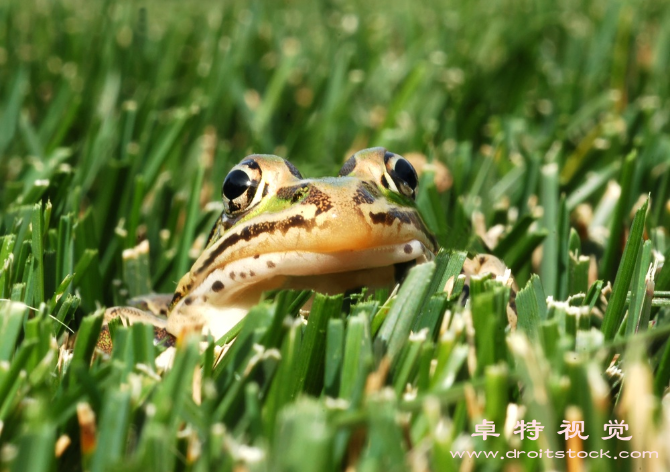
x=224, y=296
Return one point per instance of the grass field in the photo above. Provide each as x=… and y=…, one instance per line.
x=119, y=121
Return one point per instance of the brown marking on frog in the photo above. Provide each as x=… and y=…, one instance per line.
x=319, y=199
x=293, y=169
x=363, y=195
x=253, y=231
x=387, y=218
x=348, y=167
x=385, y=182
x=294, y=193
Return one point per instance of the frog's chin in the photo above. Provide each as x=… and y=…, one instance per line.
x=227, y=293
x=212, y=320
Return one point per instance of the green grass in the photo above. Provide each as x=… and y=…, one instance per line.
x=119, y=121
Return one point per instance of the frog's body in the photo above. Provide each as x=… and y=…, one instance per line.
x=279, y=230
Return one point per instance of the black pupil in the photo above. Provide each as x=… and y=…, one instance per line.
x=236, y=183
x=405, y=171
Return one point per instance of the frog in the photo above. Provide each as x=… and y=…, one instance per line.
x=279, y=230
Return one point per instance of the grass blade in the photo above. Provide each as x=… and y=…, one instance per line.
x=615, y=308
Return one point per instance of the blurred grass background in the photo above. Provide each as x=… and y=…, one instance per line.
x=119, y=121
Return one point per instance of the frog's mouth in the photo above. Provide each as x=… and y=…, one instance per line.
x=239, y=284
x=276, y=270
x=333, y=273
x=339, y=271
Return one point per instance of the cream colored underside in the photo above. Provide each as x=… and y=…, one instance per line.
x=218, y=312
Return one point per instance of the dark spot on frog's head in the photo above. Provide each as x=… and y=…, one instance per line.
x=319, y=199
x=482, y=259
x=293, y=170
x=293, y=193
x=188, y=301
x=243, y=275
x=385, y=182
x=204, y=299
x=217, y=286
x=348, y=167
x=251, y=273
x=407, y=249
x=163, y=311
x=409, y=217
x=232, y=275
x=257, y=256
x=387, y=218
x=372, y=188
x=363, y=195
x=251, y=164
x=271, y=265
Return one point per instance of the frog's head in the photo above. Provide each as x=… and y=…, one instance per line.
x=279, y=230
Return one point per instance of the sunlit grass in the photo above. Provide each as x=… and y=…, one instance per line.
x=118, y=123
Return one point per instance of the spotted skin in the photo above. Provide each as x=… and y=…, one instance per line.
x=285, y=231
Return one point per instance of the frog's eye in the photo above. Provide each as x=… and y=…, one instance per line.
x=239, y=189
x=402, y=173
x=236, y=183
